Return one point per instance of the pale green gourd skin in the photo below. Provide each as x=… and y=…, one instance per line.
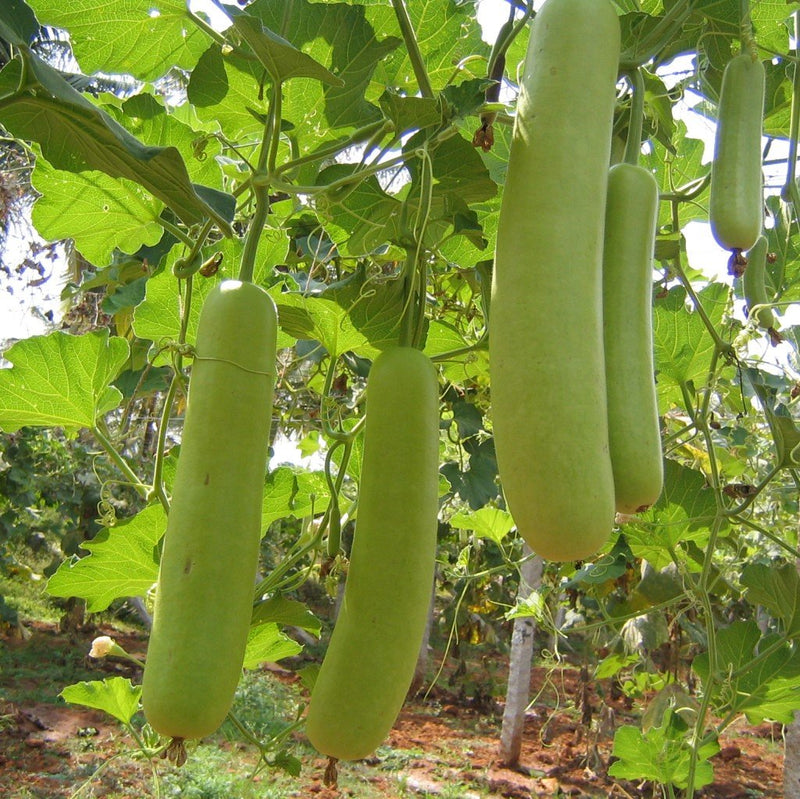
x=633, y=426
x=736, y=209
x=370, y=661
x=548, y=387
x=205, y=589
x=753, y=286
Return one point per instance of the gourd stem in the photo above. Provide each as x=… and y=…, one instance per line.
x=266, y=162
x=633, y=144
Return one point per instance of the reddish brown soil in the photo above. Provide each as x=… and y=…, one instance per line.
x=49, y=750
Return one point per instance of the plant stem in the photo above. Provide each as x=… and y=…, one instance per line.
x=381, y=127
x=179, y=234
x=412, y=46
x=158, y=468
x=266, y=162
x=100, y=432
x=633, y=144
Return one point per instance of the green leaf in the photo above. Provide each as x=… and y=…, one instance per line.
x=99, y=213
x=449, y=33
x=374, y=306
x=410, y=113
x=287, y=613
x=320, y=319
x=339, y=35
x=662, y=755
x=785, y=433
x=363, y=209
x=114, y=695
x=683, y=512
x=766, y=688
x=611, y=665
x=145, y=117
x=487, y=522
x=143, y=38
x=61, y=380
x=122, y=562
x=683, y=345
x=477, y=485
x=267, y=644
x=290, y=491
x=777, y=589
x=280, y=58
x=227, y=92
x=458, y=169
x=18, y=23
x=75, y=135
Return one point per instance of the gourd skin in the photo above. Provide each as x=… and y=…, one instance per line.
x=208, y=567
x=633, y=426
x=753, y=286
x=370, y=661
x=546, y=333
x=736, y=209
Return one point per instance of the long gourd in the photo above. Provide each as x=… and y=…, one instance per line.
x=206, y=580
x=369, y=664
x=754, y=286
x=736, y=209
x=633, y=426
x=546, y=336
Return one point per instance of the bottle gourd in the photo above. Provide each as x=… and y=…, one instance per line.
x=634, y=431
x=206, y=580
x=369, y=664
x=736, y=209
x=545, y=328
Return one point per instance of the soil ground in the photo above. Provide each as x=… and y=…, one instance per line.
x=443, y=745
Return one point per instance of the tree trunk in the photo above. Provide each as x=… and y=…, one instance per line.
x=791, y=755
x=519, y=669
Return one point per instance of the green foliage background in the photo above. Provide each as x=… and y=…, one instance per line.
x=329, y=146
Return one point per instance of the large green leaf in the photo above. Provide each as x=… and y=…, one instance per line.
x=487, y=522
x=122, y=562
x=117, y=696
x=784, y=429
x=267, y=644
x=280, y=58
x=684, y=512
x=76, y=135
x=61, y=380
x=683, y=344
x=340, y=36
x=447, y=32
x=761, y=687
x=143, y=38
x=228, y=91
x=290, y=491
x=99, y=213
x=661, y=754
x=777, y=590
x=18, y=24
x=286, y=612
x=145, y=117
